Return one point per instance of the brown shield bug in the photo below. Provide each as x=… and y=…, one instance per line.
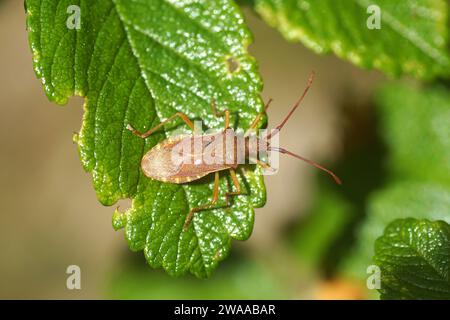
x=158, y=163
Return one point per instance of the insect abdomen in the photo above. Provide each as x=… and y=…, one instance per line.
x=179, y=160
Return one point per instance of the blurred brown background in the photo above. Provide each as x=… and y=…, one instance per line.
x=51, y=218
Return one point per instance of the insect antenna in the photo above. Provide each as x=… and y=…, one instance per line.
x=281, y=125
x=318, y=166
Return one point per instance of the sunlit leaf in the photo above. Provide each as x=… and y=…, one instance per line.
x=138, y=62
x=412, y=38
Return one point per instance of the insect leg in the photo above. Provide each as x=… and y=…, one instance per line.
x=258, y=118
x=215, y=197
x=227, y=118
x=149, y=132
x=236, y=185
x=217, y=114
x=262, y=164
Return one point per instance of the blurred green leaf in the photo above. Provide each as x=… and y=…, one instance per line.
x=414, y=124
x=414, y=258
x=416, y=128
x=413, y=37
x=313, y=238
x=139, y=62
x=324, y=238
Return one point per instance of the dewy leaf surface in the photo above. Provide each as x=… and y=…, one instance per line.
x=138, y=62
x=414, y=258
x=413, y=38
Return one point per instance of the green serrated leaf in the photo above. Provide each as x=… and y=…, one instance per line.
x=398, y=201
x=414, y=258
x=138, y=62
x=413, y=37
